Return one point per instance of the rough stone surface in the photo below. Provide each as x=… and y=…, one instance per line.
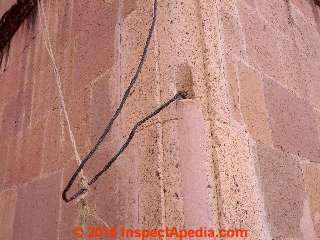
x=7, y=212
x=251, y=124
x=252, y=104
x=93, y=31
x=263, y=54
x=38, y=205
x=292, y=122
x=312, y=181
x=281, y=181
x=193, y=160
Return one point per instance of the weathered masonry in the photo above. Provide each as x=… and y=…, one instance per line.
x=242, y=151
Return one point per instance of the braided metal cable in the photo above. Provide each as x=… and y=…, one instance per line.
x=115, y=116
x=179, y=95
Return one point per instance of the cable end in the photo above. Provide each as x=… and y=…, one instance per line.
x=183, y=94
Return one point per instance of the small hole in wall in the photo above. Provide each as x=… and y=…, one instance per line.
x=184, y=80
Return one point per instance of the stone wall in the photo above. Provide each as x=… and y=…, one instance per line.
x=243, y=152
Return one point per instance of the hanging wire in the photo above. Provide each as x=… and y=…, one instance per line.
x=179, y=95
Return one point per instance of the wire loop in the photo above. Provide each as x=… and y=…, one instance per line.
x=126, y=95
x=179, y=95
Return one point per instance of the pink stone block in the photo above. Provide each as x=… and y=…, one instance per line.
x=231, y=30
x=306, y=8
x=69, y=211
x=3, y=162
x=295, y=74
x=312, y=182
x=261, y=43
x=106, y=190
x=231, y=75
x=128, y=7
x=7, y=210
x=53, y=144
x=193, y=159
x=78, y=110
x=252, y=104
x=293, y=122
x=12, y=119
x=94, y=25
x=11, y=81
x=9, y=171
x=25, y=156
x=102, y=105
x=276, y=12
x=281, y=182
x=37, y=209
